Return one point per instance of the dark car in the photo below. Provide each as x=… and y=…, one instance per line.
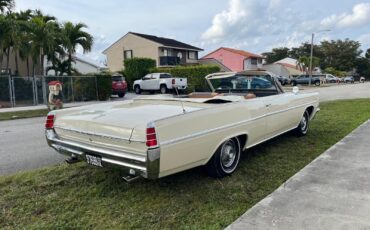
x=305, y=80
x=283, y=80
x=119, y=85
x=260, y=83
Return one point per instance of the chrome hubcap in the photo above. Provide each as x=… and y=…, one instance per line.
x=303, y=123
x=228, y=154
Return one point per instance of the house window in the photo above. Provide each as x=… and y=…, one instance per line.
x=127, y=54
x=192, y=55
x=259, y=60
x=179, y=55
x=165, y=52
x=254, y=61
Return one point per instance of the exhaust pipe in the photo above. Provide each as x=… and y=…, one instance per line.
x=72, y=159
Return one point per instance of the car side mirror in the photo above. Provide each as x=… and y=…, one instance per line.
x=295, y=90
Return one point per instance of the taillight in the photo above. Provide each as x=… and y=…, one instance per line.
x=151, y=137
x=173, y=81
x=50, y=121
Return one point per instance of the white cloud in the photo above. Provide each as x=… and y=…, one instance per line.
x=359, y=16
x=365, y=40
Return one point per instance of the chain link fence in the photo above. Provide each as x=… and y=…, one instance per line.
x=27, y=91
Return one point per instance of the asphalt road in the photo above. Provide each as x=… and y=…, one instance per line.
x=23, y=145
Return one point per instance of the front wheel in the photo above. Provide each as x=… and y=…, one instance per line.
x=225, y=160
x=302, y=128
x=317, y=83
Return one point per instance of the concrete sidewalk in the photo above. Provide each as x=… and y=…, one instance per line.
x=332, y=192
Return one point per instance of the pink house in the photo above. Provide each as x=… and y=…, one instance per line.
x=236, y=60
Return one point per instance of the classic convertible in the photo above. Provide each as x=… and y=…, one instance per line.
x=159, y=135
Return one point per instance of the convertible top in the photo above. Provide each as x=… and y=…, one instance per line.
x=231, y=74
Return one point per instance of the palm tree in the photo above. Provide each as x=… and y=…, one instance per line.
x=43, y=36
x=6, y=5
x=367, y=55
x=74, y=36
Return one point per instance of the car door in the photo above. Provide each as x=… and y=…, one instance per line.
x=145, y=84
x=153, y=82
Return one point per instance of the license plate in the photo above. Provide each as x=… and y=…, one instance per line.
x=94, y=160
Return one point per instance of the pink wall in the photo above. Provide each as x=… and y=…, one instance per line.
x=231, y=60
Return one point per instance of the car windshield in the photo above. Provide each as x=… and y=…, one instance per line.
x=243, y=83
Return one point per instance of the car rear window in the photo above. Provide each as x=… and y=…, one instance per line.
x=117, y=78
x=165, y=76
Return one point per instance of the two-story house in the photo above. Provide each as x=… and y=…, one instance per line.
x=166, y=51
x=236, y=60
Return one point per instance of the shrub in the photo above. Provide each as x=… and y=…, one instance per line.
x=194, y=74
x=136, y=68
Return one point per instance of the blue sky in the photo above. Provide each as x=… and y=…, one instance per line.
x=252, y=25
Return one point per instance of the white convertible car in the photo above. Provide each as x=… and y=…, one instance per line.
x=156, y=136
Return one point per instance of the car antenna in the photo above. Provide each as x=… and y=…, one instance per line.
x=178, y=96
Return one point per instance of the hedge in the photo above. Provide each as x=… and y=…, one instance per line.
x=136, y=68
x=194, y=74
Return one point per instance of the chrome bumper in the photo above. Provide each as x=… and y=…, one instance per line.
x=147, y=166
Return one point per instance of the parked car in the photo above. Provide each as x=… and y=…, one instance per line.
x=349, y=79
x=305, y=80
x=331, y=79
x=283, y=80
x=162, y=82
x=119, y=85
x=156, y=136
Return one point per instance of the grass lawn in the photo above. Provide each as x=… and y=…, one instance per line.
x=81, y=196
x=23, y=114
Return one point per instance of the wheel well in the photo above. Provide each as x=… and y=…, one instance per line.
x=243, y=140
x=136, y=86
x=310, y=110
x=163, y=84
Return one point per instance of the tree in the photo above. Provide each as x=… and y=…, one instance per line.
x=276, y=54
x=73, y=36
x=340, y=54
x=305, y=60
x=6, y=5
x=367, y=54
x=43, y=36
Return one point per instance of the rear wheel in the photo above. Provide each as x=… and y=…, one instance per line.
x=225, y=160
x=293, y=83
x=317, y=83
x=121, y=94
x=137, y=89
x=302, y=128
x=163, y=89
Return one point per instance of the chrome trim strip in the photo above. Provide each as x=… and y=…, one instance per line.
x=128, y=165
x=98, y=134
x=120, y=154
x=266, y=139
x=201, y=133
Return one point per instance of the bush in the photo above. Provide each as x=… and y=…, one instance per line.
x=136, y=68
x=194, y=74
x=87, y=88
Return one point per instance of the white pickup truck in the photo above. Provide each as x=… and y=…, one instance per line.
x=162, y=82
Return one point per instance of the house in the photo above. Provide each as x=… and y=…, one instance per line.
x=236, y=60
x=85, y=65
x=165, y=51
x=287, y=67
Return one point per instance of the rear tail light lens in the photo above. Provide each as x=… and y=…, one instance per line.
x=50, y=121
x=151, y=137
x=173, y=81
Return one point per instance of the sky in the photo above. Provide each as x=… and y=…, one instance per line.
x=253, y=25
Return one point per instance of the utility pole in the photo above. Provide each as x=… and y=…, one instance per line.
x=313, y=35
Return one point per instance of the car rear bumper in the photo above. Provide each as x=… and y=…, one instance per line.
x=145, y=166
x=118, y=91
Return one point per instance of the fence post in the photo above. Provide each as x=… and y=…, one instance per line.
x=73, y=97
x=44, y=90
x=33, y=92
x=96, y=89
x=13, y=90
x=10, y=91
x=36, y=93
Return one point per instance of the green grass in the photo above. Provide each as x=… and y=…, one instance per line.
x=80, y=196
x=23, y=114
